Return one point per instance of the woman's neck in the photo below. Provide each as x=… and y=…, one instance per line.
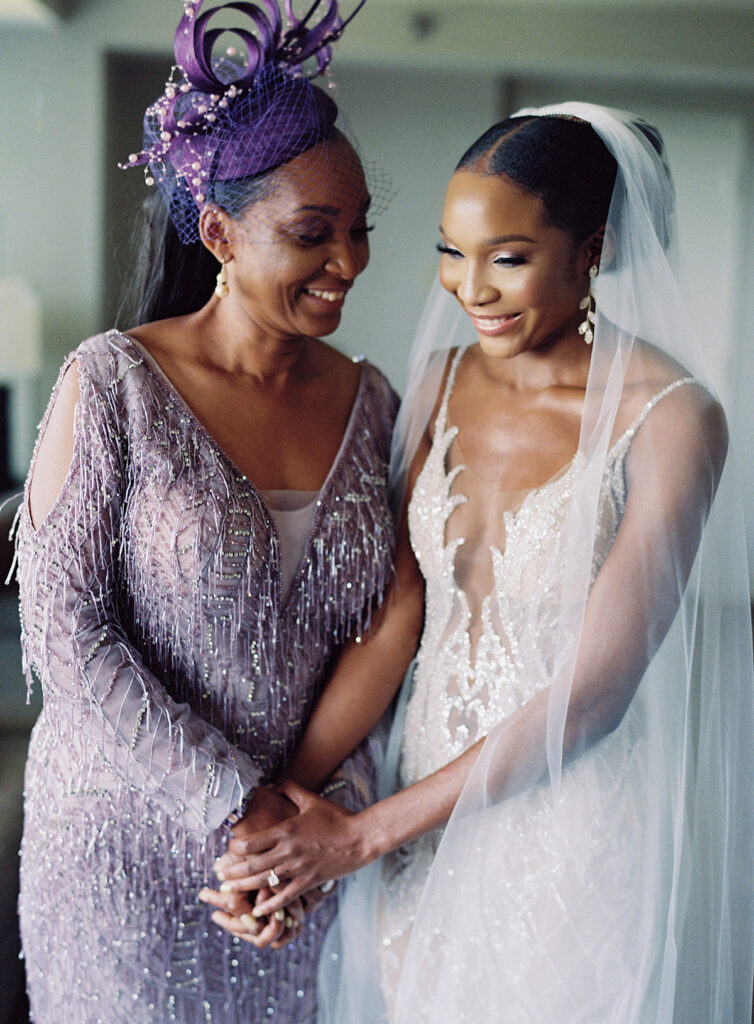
x=214, y=338
x=563, y=363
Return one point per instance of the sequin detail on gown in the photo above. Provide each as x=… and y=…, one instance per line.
x=469, y=677
x=174, y=680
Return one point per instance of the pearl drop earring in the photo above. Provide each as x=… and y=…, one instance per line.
x=222, y=291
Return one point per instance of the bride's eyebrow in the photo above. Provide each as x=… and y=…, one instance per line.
x=505, y=239
x=499, y=240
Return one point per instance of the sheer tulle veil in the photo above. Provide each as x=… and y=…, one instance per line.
x=688, y=959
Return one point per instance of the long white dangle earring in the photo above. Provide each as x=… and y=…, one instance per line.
x=586, y=327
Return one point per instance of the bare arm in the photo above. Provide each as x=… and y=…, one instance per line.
x=55, y=449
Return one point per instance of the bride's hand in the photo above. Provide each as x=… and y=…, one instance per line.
x=233, y=912
x=320, y=843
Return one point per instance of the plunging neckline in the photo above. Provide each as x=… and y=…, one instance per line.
x=159, y=374
x=444, y=436
x=566, y=470
x=153, y=365
x=449, y=433
x=511, y=517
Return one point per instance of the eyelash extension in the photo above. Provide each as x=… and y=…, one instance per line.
x=510, y=261
x=501, y=261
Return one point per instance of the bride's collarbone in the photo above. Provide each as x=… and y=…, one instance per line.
x=515, y=455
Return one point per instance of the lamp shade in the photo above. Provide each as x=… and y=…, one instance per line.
x=20, y=330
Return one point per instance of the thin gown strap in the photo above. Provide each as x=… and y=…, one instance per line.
x=441, y=423
x=621, y=446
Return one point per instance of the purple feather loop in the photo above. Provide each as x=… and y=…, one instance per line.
x=220, y=120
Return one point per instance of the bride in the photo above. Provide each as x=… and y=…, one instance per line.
x=569, y=835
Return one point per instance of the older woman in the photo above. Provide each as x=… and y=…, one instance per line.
x=205, y=523
x=571, y=839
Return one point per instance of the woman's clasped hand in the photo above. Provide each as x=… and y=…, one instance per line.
x=317, y=843
x=235, y=906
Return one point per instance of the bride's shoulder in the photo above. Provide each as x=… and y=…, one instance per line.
x=651, y=375
x=649, y=364
x=675, y=409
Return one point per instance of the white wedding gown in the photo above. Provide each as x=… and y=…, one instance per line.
x=565, y=883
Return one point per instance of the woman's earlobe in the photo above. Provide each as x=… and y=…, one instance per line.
x=605, y=249
x=599, y=248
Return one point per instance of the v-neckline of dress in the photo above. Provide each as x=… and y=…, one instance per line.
x=159, y=374
x=158, y=371
x=450, y=432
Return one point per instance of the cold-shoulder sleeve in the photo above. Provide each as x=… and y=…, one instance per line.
x=75, y=641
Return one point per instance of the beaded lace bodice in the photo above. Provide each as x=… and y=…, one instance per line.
x=175, y=678
x=470, y=675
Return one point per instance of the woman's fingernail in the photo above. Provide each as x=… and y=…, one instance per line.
x=250, y=923
x=219, y=874
x=256, y=912
x=280, y=915
x=289, y=922
x=202, y=894
x=226, y=887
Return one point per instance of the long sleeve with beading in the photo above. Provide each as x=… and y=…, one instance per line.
x=151, y=741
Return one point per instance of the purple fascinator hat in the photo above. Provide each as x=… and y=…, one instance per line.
x=221, y=121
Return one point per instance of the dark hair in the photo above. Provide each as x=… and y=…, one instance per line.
x=169, y=278
x=560, y=160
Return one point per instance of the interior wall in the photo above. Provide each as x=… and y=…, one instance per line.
x=741, y=367
x=132, y=81
x=414, y=126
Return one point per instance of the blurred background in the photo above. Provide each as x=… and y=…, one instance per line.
x=418, y=81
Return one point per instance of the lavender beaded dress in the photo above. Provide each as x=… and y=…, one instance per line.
x=174, y=681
